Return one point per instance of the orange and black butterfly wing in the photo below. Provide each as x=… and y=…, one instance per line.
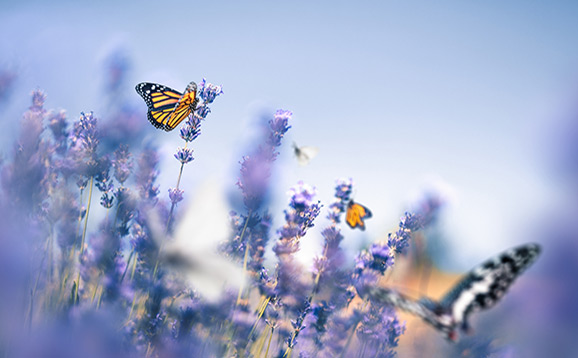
x=166, y=106
x=355, y=215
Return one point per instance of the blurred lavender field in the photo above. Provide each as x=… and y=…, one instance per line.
x=457, y=123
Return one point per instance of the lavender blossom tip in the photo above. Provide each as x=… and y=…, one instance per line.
x=208, y=91
x=184, y=155
x=189, y=132
x=176, y=195
x=302, y=195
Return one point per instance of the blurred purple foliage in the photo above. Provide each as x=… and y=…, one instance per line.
x=82, y=280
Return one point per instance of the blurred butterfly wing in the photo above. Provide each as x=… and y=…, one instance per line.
x=486, y=284
x=386, y=296
x=166, y=106
x=305, y=154
x=355, y=215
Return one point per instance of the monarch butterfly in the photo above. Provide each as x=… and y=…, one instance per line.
x=167, y=107
x=305, y=153
x=355, y=215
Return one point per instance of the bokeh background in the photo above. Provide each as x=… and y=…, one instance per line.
x=473, y=101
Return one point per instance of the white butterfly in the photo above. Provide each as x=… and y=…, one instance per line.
x=192, y=253
x=305, y=153
x=480, y=289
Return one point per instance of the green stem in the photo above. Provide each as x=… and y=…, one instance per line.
x=133, y=267
x=86, y=217
x=118, y=205
x=261, y=310
x=96, y=288
x=31, y=311
x=83, y=238
x=80, y=213
x=269, y=344
x=246, y=257
x=50, y=250
x=132, y=307
x=173, y=205
x=127, y=265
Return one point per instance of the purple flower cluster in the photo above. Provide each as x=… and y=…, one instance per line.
x=298, y=219
x=256, y=168
x=381, y=255
x=189, y=132
x=114, y=271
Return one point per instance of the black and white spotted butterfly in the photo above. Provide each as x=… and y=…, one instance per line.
x=480, y=289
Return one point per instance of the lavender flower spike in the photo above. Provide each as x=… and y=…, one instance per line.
x=122, y=164
x=176, y=195
x=208, y=91
x=184, y=155
x=279, y=126
x=191, y=130
x=299, y=218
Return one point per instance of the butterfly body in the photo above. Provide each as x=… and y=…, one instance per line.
x=480, y=289
x=167, y=108
x=355, y=215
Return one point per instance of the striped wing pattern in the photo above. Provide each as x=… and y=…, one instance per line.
x=167, y=108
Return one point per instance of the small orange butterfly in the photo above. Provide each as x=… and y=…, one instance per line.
x=355, y=215
x=167, y=107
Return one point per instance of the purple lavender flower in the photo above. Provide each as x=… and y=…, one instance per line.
x=106, y=200
x=102, y=179
x=38, y=98
x=25, y=179
x=85, y=161
x=147, y=174
x=256, y=168
x=122, y=164
x=338, y=333
x=399, y=240
x=279, y=126
x=298, y=325
x=208, y=91
x=254, y=179
x=191, y=130
x=379, y=331
x=58, y=126
x=63, y=212
x=343, y=190
x=299, y=218
x=201, y=112
x=176, y=195
x=333, y=278
x=428, y=208
x=85, y=132
x=290, y=289
x=379, y=257
x=126, y=205
x=184, y=155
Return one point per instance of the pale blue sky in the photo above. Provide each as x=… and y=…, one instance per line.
x=394, y=93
